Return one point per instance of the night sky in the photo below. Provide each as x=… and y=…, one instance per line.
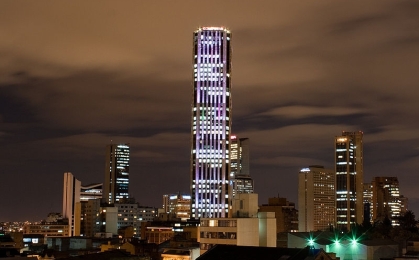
x=76, y=76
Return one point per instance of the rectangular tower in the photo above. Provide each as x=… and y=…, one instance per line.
x=211, y=123
x=115, y=186
x=368, y=209
x=239, y=166
x=316, y=199
x=349, y=179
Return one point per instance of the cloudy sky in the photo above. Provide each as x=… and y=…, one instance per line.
x=76, y=76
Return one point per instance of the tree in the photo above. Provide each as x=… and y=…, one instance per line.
x=408, y=221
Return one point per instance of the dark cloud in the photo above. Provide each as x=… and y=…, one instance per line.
x=355, y=24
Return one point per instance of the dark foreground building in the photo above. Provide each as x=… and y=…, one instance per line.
x=230, y=252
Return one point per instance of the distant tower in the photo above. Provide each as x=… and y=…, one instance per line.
x=368, y=209
x=115, y=186
x=177, y=204
x=71, y=196
x=211, y=123
x=386, y=199
x=239, y=166
x=316, y=199
x=349, y=179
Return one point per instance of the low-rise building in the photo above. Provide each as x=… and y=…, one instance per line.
x=265, y=253
x=285, y=213
x=158, y=235
x=48, y=229
x=247, y=227
x=345, y=247
x=180, y=253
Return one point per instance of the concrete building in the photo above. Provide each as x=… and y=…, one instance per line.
x=48, y=229
x=158, y=235
x=247, y=228
x=349, y=179
x=316, y=199
x=116, y=184
x=132, y=214
x=71, y=196
x=75, y=197
x=285, y=213
x=90, y=217
x=108, y=222
x=103, y=219
x=211, y=123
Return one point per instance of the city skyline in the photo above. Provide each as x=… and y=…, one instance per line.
x=76, y=76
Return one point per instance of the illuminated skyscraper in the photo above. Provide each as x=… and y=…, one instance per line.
x=349, y=179
x=211, y=123
x=116, y=182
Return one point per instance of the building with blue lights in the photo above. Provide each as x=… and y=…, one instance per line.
x=211, y=123
x=116, y=182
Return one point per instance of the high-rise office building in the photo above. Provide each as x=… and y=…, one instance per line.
x=349, y=179
x=115, y=186
x=211, y=123
x=386, y=199
x=316, y=199
x=239, y=166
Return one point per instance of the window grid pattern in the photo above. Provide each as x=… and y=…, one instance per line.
x=211, y=123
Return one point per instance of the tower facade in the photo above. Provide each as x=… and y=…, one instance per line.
x=349, y=179
x=239, y=166
x=211, y=123
x=115, y=186
x=316, y=199
x=71, y=197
